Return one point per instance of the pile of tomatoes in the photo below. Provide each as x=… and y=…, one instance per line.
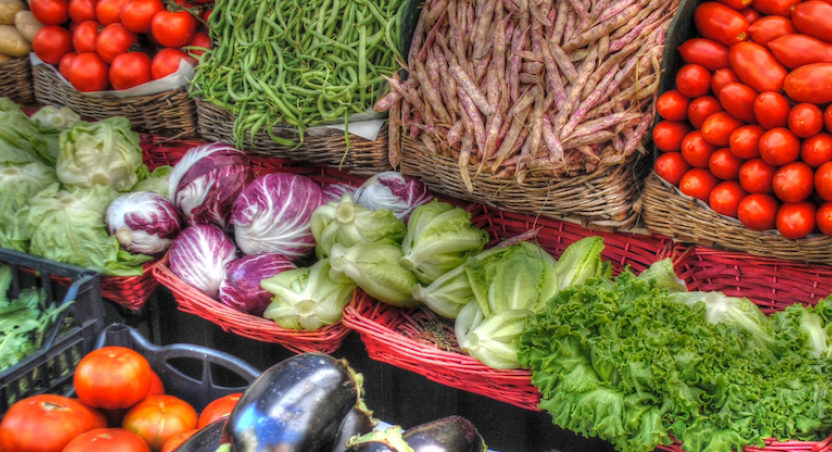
x=98, y=44
x=121, y=407
x=747, y=129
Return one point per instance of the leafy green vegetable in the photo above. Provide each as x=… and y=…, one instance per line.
x=579, y=261
x=494, y=341
x=56, y=118
x=439, y=238
x=735, y=311
x=375, y=269
x=68, y=226
x=18, y=184
x=307, y=298
x=349, y=224
x=105, y=153
x=158, y=181
x=665, y=276
x=447, y=295
x=21, y=140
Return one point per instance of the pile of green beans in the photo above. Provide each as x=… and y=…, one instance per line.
x=298, y=63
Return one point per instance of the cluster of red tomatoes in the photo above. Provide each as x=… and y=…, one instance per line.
x=109, y=43
x=747, y=129
x=117, y=388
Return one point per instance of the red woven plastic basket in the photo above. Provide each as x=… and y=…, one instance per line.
x=159, y=151
x=418, y=341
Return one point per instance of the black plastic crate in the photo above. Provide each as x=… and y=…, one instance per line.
x=71, y=336
x=195, y=374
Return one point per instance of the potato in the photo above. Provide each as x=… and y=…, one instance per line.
x=27, y=25
x=12, y=43
x=4, y=58
x=8, y=8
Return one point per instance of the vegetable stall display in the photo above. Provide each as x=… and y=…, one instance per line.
x=18, y=28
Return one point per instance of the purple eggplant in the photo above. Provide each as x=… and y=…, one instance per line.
x=297, y=405
x=208, y=439
x=357, y=423
x=450, y=434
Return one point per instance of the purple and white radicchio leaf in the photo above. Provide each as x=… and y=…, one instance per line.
x=199, y=256
x=144, y=222
x=393, y=191
x=205, y=183
x=334, y=192
x=241, y=289
x=274, y=213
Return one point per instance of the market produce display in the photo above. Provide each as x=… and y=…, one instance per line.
x=298, y=63
x=18, y=28
x=745, y=129
x=555, y=88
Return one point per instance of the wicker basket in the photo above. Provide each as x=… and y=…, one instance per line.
x=171, y=113
x=417, y=340
x=16, y=80
x=668, y=212
x=363, y=157
x=602, y=199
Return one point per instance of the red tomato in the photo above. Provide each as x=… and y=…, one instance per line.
x=751, y=15
x=771, y=110
x=52, y=43
x=757, y=176
x=175, y=441
x=99, y=417
x=166, y=62
x=721, y=78
x=218, y=409
x=44, y=423
x=108, y=11
x=696, y=151
x=174, y=29
x=745, y=142
x=720, y=23
x=823, y=181
x=811, y=83
x=81, y=11
x=701, y=109
x=812, y=18
x=707, y=53
x=777, y=7
x=805, y=120
x=112, y=377
x=671, y=166
x=50, y=12
x=157, y=418
x=757, y=67
x=725, y=198
x=824, y=218
x=129, y=70
x=770, y=28
x=83, y=38
x=114, y=40
x=698, y=183
x=793, y=182
x=796, y=220
x=107, y=440
x=206, y=15
x=156, y=385
x=673, y=106
x=718, y=128
x=88, y=72
x=758, y=212
x=63, y=65
x=736, y=4
x=693, y=80
x=817, y=150
x=724, y=165
x=827, y=118
x=668, y=135
x=779, y=146
x=738, y=100
x=794, y=51
x=137, y=15
x=201, y=39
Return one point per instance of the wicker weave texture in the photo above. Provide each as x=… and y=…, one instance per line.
x=16, y=80
x=670, y=214
x=363, y=156
x=601, y=199
x=171, y=113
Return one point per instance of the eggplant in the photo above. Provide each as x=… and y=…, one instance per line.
x=450, y=434
x=357, y=423
x=207, y=439
x=297, y=405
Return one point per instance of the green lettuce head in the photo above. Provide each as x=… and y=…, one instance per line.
x=439, y=238
x=21, y=140
x=375, y=269
x=105, y=153
x=18, y=184
x=349, y=224
x=307, y=298
x=56, y=118
x=158, y=182
x=493, y=341
x=581, y=261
